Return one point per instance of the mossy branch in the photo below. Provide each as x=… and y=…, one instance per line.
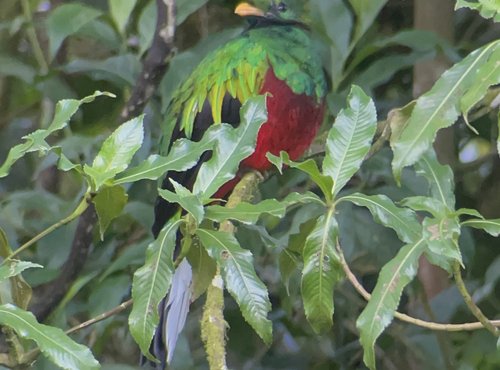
x=213, y=325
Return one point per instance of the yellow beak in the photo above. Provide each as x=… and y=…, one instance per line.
x=245, y=10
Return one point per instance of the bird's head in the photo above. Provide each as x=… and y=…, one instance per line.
x=272, y=10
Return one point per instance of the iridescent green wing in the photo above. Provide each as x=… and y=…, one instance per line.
x=237, y=69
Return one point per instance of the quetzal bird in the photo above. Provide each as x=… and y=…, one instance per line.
x=273, y=55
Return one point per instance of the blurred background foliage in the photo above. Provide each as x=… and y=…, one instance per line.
x=56, y=49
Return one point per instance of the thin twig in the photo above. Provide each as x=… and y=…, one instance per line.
x=476, y=311
x=403, y=317
x=103, y=316
x=31, y=356
x=82, y=206
x=33, y=39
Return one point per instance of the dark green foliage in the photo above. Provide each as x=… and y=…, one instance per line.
x=282, y=268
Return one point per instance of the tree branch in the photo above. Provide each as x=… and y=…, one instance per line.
x=476, y=311
x=213, y=325
x=403, y=317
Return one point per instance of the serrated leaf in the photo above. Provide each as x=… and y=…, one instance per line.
x=109, y=203
x=65, y=20
x=233, y=145
x=249, y=213
x=64, y=164
x=150, y=284
x=325, y=183
x=379, y=311
x=487, y=75
x=11, y=268
x=487, y=8
x=491, y=226
x=53, y=343
x=427, y=204
x=349, y=139
x=439, y=177
x=437, y=109
x=116, y=152
x=469, y=212
x=183, y=155
x=35, y=141
x=403, y=221
x=441, y=236
x=322, y=270
x=187, y=200
x=120, y=11
x=240, y=278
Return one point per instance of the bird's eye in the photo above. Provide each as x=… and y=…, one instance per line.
x=282, y=7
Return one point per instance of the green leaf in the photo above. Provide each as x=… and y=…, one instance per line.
x=491, y=226
x=65, y=20
x=487, y=8
x=120, y=12
x=240, y=278
x=291, y=256
x=233, y=145
x=109, y=203
x=439, y=177
x=325, y=183
x=11, y=268
x=187, y=200
x=150, y=284
x=183, y=155
x=322, y=270
x=437, y=109
x=366, y=12
x=121, y=70
x=379, y=311
x=116, y=152
x=5, y=249
x=337, y=19
x=203, y=267
x=403, y=221
x=10, y=66
x=250, y=213
x=427, y=204
x=35, y=141
x=53, y=343
x=349, y=139
x=186, y=8
x=487, y=75
x=441, y=236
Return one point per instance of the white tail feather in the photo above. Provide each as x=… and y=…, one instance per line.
x=177, y=307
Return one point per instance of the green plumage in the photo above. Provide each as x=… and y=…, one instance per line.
x=239, y=68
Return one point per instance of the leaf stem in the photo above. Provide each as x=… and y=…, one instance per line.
x=103, y=316
x=82, y=206
x=32, y=37
x=476, y=311
x=406, y=318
